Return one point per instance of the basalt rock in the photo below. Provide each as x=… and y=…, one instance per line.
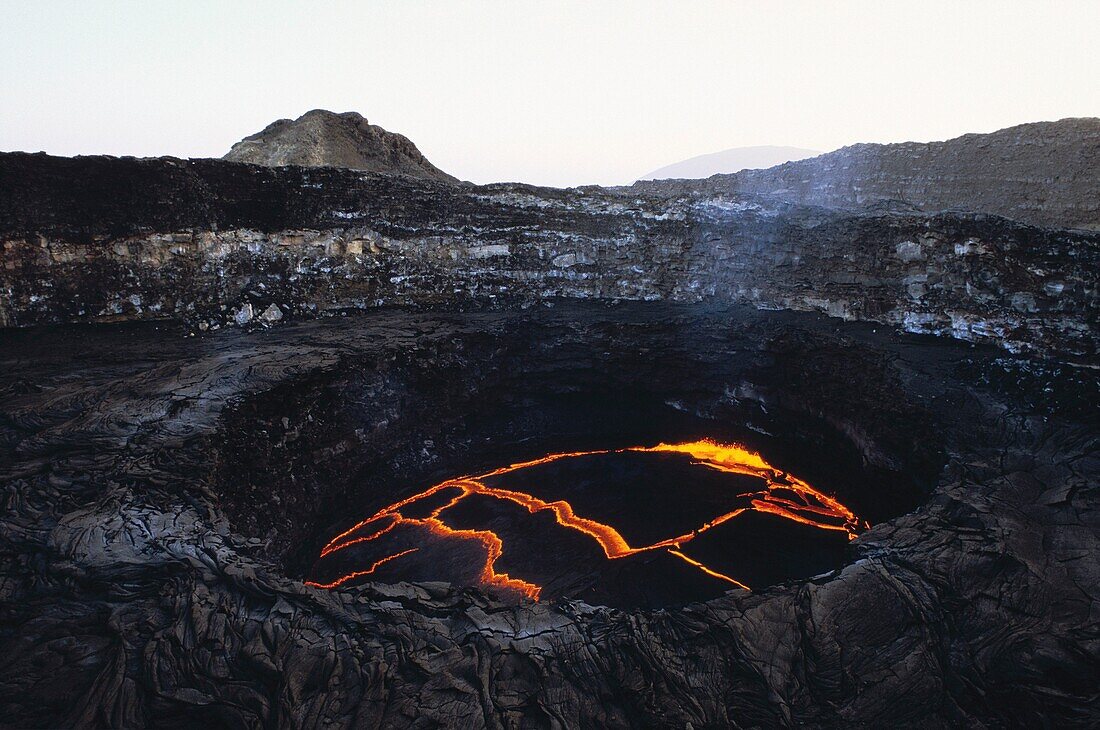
x=104, y=239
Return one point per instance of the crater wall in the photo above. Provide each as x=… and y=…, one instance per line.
x=215, y=243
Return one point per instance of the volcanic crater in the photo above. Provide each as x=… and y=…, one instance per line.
x=312, y=446
x=550, y=479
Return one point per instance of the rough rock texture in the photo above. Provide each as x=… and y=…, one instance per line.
x=322, y=138
x=136, y=590
x=212, y=242
x=1047, y=174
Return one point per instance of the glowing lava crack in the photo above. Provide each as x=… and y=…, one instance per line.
x=783, y=495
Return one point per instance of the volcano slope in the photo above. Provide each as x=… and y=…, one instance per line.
x=165, y=496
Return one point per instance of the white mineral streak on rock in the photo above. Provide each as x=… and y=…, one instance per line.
x=909, y=251
x=488, y=251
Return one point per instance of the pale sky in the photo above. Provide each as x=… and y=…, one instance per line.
x=547, y=92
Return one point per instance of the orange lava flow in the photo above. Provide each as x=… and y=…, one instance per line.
x=783, y=495
x=361, y=573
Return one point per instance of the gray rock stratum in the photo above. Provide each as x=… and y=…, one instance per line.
x=322, y=138
x=1046, y=173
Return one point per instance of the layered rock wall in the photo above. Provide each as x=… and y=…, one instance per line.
x=210, y=242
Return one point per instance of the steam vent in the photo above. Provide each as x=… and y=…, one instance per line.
x=318, y=436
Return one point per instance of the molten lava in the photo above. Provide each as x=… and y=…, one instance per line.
x=782, y=495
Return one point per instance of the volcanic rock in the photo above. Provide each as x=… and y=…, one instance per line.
x=244, y=314
x=321, y=138
x=272, y=313
x=165, y=496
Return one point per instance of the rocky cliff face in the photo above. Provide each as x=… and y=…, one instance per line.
x=1047, y=174
x=101, y=239
x=322, y=138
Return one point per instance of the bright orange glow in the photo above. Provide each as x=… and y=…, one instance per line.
x=783, y=495
x=705, y=569
x=361, y=573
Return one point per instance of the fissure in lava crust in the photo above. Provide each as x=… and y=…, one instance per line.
x=406, y=527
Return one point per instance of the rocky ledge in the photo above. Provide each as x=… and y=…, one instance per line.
x=214, y=243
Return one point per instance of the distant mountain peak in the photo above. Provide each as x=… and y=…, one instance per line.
x=731, y=160
x=321, y=138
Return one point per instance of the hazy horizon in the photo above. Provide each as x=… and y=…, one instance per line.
x=731, y=160
x=561, y=93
